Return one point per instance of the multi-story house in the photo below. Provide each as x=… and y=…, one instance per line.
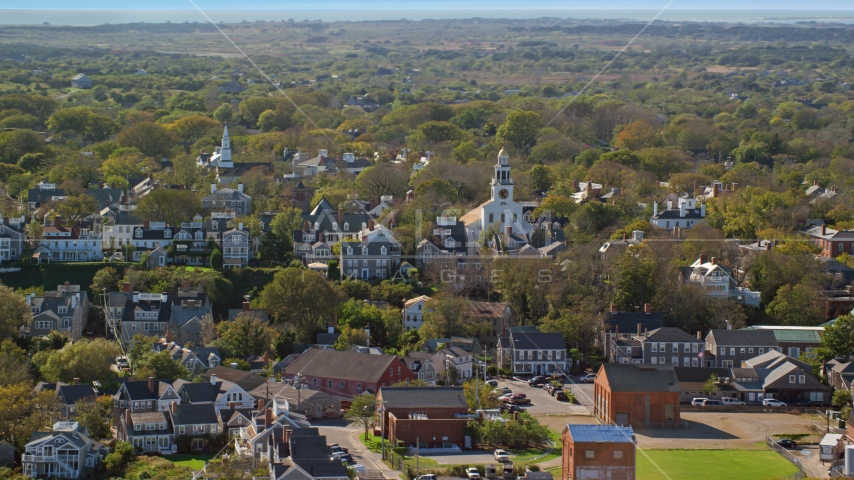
x=150, y=395
x=42, y=193
x=448, y=239
x=235, y=247
x=69, y=395
x=662, y=346
x=832, y=243
x=150, y=236
x=793, y=339
x=191, y=242
x=728, y=348
x=375, y=255
x=65, y=309
x=117, y=225
x=684, y=213
x=529, y=353
x=458, y=359
x=196, y=360
x=219, y=393
x=413, y=312
x=324, y=226
x=65, y=452
x=11, y=238
x=619, y=324
x=195, y=420
x=61, y=243
x=183, y=314
x=717, y=282
x=148, y=431
x=421, y=364
x=228, y=199
x=498, y=318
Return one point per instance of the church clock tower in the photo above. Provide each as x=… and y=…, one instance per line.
x=502, y=184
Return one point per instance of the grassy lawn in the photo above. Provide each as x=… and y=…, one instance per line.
x=712, y=465
x=157, y=467
x=201, y=269
x=196, y=462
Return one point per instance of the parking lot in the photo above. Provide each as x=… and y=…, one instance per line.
x=544, y=404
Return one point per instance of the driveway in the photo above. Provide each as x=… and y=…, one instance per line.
x=476, y=457
x=808, y=455
x=338, y=431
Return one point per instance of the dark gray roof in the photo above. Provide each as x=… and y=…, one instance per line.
x=70, y=394
x=309, y=450
x=343, y=365
x=105, y=196
x=188, y=414
x=627, y=322
x=537, y=341
x=601, y=433
x=138, y=390
x=246, y=380
x=737, y=338
x=423, y=397
x=636, y=378
x=671, y=334
x=698, y=375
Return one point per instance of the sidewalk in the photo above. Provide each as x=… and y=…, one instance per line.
x=373, y=461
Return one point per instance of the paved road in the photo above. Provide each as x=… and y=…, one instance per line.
x=338, y=431
x=544, y=404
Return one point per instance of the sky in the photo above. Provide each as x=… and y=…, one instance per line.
x=775, y=5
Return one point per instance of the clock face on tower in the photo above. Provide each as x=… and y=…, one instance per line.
x=503, y=193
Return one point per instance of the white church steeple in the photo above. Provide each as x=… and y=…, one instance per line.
x=502, y=184
x=225, y=151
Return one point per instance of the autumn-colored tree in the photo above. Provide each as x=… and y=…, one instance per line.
x=637, y=135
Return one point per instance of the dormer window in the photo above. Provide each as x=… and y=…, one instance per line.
x=384, y=250
x=349, y=250
x=198, y=235
x=364, y=250
x=346, y=226
x=364, y=226
x=317, y=225
x=139, y=233
x=63, y=309
x=215, y=225
x=167, y=233
x=334, y=225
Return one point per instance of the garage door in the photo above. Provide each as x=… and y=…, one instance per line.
x=622, y=418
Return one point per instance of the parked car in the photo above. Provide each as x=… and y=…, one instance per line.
x=518, y=398
x=560, y=395
x=428, y=476
x=346, y=458
x=807, y=403
x=503, y=390
x=501, y=455
x=732, y=401
x=505, y=397
x=511, y=408
x=538, y=380
x=710, y=402
x=337, y=448
x=588, y=378
x=122, y=363
x=558, y=376
x=90, y=332
x=472, y=473
x=770, y=402
x=787, y=443
x=698, y=401
x=492, y=383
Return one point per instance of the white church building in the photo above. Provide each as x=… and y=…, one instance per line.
x=221, y=158
x=501, y=216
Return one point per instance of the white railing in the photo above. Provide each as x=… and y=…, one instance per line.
x=37, y=458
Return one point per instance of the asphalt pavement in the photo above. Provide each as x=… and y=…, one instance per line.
x=544, y=404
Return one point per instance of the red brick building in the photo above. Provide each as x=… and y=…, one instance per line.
x=598, y=451
x=831, y=242
x=628, y=394
x=430, y=415
x=346, y=374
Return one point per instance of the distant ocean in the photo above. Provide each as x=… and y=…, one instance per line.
x=443, y=10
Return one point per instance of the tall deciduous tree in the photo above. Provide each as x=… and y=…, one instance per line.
x=302, y=300
x=149, y=138
x=14, y=313
x=170, y=206
x=245, y=335
x=363, y=411
x=277, y=244
x=88, y=361
x=520, y=128
x=637, y=135
x=382, y=179
x=838, y=339
x=76, y=208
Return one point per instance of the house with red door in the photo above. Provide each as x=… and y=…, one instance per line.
x=347, y=374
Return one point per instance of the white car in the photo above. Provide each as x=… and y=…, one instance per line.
x=472, y=473
x=698, y=401
x=588, y=378
x=731, y=401
x=501, y=455
x=505, y=398
x=770, y=402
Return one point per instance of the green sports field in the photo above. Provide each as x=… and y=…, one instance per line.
x=712, y=465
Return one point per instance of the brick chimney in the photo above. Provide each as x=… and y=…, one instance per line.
x=647, y=308
x=340, y=216
x=767, y=245
x=371, y=224
x=76, y=381
x=703, y=258
x=639, y=329
x=615, y=309
x=815, y=183
x=715, y=190
x=695, y=188
x=306, y=226
x=185, y=286
x=247, y=306
x=173, y=407
x=127, y=417
x=126, y=287
x=146, y=225
x=232, y=405
x=734, y=186
x=713, y=260
x=268, y=417
x=624, y=237
x=152, y=385
x=824, y=229
x=57, y=221
x=260, y=404
x=508, y=230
